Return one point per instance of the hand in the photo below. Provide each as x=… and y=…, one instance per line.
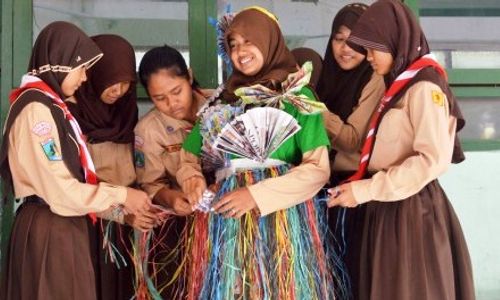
x=193, y=188
x=137, y=202
x=143, y=222
x=342, y=196
x=176, y=200
x=236, y=203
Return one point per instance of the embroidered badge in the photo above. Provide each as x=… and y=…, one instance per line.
x=173, y=148
x=170, y=129
x=139, y=158
x=139, y=141
x=438, y=98
x=50, y=149
x=42, y=128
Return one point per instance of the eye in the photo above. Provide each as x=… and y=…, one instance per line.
x=176, y=91
x=159, y=98
x=339, y=39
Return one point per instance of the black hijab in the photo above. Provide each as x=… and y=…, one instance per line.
x=340, y=89
x=99, y=121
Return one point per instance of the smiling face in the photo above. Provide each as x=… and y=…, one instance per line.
x=73, y=80
x=345, y=56
x=171, y=94
x=245, y=56
x=115, y=92
x=381, y=62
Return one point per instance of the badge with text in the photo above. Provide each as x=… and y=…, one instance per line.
x=50, y=149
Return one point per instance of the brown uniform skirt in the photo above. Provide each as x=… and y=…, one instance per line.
x=413, y=249
x=48, y=257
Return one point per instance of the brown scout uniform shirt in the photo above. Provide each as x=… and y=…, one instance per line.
x=158, y=141
x=347, y=138
x=113, y=162
x=414, y=145
x=34, y=173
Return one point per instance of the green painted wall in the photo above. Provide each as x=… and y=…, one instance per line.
x=16, y=41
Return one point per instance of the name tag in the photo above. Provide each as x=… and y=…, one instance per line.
x=173, y=148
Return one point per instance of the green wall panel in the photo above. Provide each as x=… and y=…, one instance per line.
x=202, y=42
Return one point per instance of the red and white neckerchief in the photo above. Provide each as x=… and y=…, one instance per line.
x=33, y=82
x=401, y=81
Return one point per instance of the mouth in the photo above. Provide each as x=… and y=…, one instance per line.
x=245, y=60
x=178, y=111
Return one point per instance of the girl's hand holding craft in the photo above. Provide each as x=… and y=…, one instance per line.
x=136, y=202
x=194, y=187
x=342, y=196
x=235, y=204
x=143, y=222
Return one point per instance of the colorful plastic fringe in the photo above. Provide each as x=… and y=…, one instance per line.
x=280, y=256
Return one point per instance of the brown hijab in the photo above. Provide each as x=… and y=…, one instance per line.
x=303, y=55
x=341, y=89
x=390, y=26
x=59, y=48
x=99, y=121
x=263, y=31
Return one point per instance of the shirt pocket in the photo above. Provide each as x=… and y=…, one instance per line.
x=390, y=128
x=171, y=158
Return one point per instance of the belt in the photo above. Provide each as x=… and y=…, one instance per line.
x=34, y=199
x=244, y=164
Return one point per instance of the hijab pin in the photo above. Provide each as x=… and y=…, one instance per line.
x=419, y=48
x=78, y=58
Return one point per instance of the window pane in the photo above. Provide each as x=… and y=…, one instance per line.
x=144, y=23
x=482, y=122
x=464, y=32
x=303, y=23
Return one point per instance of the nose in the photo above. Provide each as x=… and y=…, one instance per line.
x=369, y=56
x=84, y=75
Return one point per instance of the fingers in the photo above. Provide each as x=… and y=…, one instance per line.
x=194, y=188
x=220, y=206
x=231, y=206
x=182, y=206
x=334, y=201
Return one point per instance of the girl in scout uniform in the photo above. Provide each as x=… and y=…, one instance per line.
x=105, y=107
x=350, y=90
x=45, y=160
x=412, y=246
x=262, y=237
x=158, y=140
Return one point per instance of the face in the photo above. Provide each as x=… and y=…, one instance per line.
x=73, y=80
x=345, y=56
x=245, y=56
x=171, y=94
x=381, y=61
x=115, y=92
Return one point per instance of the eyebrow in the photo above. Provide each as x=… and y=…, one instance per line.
x=174, y=88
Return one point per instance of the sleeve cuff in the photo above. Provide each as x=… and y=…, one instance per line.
x=361, y=190
x=259, y=193
x=118, y=194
